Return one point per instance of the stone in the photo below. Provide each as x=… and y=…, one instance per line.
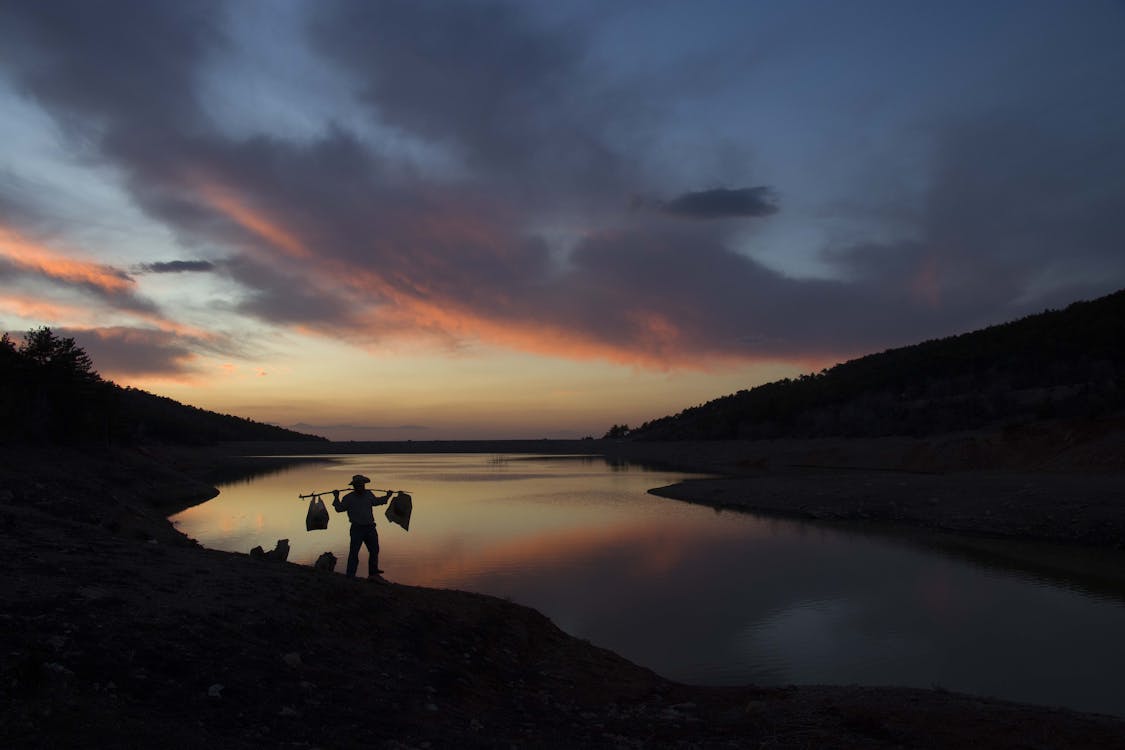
x=281, y=551
x=326, y=562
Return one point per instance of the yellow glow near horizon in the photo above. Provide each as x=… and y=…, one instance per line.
x=477, y=394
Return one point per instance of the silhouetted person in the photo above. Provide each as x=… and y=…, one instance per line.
x=358, y=503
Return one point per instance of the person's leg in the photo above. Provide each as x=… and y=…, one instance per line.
x=356, y=534
x=372, y=542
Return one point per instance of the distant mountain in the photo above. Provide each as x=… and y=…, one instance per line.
x=50, y=392
x=1059, y=363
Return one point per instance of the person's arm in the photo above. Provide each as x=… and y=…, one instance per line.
x=383, y=500
x=339, y=506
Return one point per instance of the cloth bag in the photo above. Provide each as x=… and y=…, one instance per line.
x=400, y=509
x=317, y=517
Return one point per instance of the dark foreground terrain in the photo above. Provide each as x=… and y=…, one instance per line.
x=120, y=632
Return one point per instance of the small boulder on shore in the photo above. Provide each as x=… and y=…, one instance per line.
x=279, y=552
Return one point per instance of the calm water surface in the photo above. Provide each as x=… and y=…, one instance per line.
x=706, y=597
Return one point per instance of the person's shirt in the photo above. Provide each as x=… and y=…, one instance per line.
x=358, y=504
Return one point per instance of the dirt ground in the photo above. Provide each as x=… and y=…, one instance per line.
x=120, y=632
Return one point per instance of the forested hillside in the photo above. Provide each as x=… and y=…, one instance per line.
x=1059, y=363
x=50, y=392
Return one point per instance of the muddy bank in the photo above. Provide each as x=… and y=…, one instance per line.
x=121, y=632
x=1084, y=509
x=1060, y=482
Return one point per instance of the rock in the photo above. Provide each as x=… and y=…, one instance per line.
x=293, y=659
x=281, y=551
x=215, y=691
x=326, y=562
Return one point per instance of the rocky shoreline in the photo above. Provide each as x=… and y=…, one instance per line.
x=122, y=632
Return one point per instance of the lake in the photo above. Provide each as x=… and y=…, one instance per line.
x=717, y=598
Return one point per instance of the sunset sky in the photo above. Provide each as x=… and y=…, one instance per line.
x=425, y=220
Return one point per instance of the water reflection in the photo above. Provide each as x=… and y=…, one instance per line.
x=247, y=469
x=717, y=598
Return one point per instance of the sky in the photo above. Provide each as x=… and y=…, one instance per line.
x=459, y=219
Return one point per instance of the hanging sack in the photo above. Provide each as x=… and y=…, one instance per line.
x=317, y=517
x=399, y=510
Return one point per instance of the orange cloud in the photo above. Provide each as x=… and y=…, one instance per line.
x=413, y=306
x=661, y=340
x=34, y=308
x=25, y=254
x=84, y=318
x=227, y=203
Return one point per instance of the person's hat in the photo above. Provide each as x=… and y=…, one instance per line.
x=359, y=479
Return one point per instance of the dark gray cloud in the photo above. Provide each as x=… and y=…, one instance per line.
x=178, y=266
x=722, y=203
x=124, y=351
x=678, y=292
x=1013, y=206
x=279, y=297
x=517, y=99
x=125, y=66
x=330, y=233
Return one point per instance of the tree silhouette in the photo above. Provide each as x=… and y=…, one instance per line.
x=51, y=393
x=617, y=431
x=1060, y=363
x=60, y=358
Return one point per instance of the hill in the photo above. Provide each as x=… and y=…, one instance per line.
x=51, y=393
x=1066, y=363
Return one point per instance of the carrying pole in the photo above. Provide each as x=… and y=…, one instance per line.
x=318, y=494
x=349, y=489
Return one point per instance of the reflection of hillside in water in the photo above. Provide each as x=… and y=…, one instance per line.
x=1098, y=572
x=247, y=469
x=610, y=461
x=1095, y=571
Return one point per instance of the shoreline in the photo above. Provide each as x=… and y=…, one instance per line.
x=1061, y=482
x=122, y=631
x=1085, y=510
